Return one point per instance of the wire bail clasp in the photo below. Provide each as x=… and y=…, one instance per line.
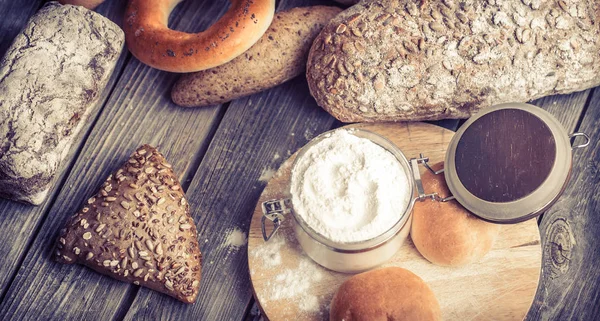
x=574, y=136
x=414, y=163
x=274, y=211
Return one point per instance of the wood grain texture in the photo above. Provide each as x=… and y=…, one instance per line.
x=14, y=17
x=19, y=222
x=139, y=111
x=43, y=289
x=569, y=285
x=506, y=277
x=566, y=108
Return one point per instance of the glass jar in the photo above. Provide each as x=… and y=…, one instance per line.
x=351, y=257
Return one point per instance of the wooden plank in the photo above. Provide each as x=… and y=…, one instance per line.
x=567, y=108
x=14, y=17
x=256, y=135
x=138, y=111
x=18, y=222
x=570, y=237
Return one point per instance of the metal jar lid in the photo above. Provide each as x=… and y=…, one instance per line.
x=509, y=162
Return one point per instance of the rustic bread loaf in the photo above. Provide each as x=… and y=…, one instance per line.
x=138, y=229
x=445, y=233
x=390, y=293
x=391, y=60
x=50, y=78
x=277, y=57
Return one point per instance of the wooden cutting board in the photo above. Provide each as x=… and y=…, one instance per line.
x=290, y=286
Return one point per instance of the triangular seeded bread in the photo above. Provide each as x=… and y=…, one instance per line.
x=138, y=229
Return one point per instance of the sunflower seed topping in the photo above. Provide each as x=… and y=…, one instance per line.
x=138, y=273
x=150, y=245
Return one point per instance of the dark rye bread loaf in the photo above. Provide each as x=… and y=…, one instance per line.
x=50, y=78
x=138, y=229
x=394, y=60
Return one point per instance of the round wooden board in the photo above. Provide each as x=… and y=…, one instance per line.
x=290, y=286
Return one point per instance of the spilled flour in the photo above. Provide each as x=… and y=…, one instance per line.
x=235, y=239
x=266, y=175
x=269, y=253
x=293, y=285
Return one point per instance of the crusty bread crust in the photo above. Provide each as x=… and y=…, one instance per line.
x=390, y=293
x=397, y=60
x=54, y=72
x=445, y=233
x=153, y=43
x=277, y=57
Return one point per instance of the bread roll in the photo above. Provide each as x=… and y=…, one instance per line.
x=50, y=79
x=138, y=229
x=277, y=57
x=385, y=294
x=392, y=60
x=446, y=233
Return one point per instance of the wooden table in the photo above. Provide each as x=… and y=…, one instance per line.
x=224, y=154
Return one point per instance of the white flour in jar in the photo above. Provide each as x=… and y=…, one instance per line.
x=349, y=189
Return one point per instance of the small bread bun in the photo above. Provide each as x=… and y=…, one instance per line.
x=152, y=42
x=90, y=4
x=446, y=233
x=385, y=294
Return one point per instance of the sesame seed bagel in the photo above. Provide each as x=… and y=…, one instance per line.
x=151, y=41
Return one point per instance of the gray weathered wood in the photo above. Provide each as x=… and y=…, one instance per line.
x=569, y=288
x=14, y=16
x=138, y=111
x=253, y=139
x=19, y=222
x=566, y=108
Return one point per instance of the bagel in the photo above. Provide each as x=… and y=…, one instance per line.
x=152, y=42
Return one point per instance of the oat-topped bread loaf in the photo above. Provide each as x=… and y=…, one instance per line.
x=392, y=60
x=50, y=79
x=138, y=229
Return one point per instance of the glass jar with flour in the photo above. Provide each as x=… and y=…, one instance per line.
x=351, y=196
x=352, y=192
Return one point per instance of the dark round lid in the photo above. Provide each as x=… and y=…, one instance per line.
x=508, y=163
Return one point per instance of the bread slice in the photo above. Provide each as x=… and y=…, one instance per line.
x=138, y=229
